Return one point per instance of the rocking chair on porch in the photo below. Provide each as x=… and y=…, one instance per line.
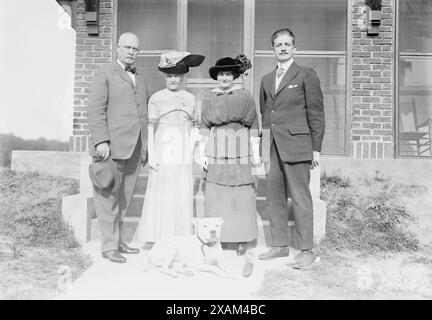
x=414, y=138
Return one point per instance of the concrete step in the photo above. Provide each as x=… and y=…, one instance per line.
x=135, y=210
x=134, y=214
x=78, y=210
x=261, y=185
x=141, y=186
x=130, y=225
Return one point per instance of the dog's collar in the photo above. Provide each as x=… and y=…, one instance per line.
x=208, y=244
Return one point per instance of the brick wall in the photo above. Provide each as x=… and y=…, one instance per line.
x=372, y=85
x=91, y=53
x=372, y=128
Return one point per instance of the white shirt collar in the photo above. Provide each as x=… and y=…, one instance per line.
x=285, y=65
x=121, y=64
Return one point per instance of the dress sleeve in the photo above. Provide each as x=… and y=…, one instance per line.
x=152, y=111
x=206, y=122
x=249, y=114
x=196, y=113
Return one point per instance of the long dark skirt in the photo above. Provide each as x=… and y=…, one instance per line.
x=237, y=206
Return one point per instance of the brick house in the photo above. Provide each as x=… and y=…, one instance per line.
x=374, y=62
x=375, y=78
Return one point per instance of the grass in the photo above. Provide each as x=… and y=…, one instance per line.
x=368, y=248
x=35, y=241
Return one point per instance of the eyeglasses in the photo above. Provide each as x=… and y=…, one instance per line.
x=129, y=48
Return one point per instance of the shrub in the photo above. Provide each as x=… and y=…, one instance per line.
x=335, y=180
x=370, y=216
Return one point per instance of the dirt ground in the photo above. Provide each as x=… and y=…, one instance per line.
x=37, y=251
x=39, y=273
x=35, y=272
x=361, y=275
x=354, y=276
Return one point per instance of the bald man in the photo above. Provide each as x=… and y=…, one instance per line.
x=117, y=118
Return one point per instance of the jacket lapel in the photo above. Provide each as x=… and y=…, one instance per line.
x=138, y=89
x=137, y=81
x=291, y=73
x=272, y=83
x=122, y=73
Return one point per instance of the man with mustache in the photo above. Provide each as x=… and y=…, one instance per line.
x=292, y=109
x=118, y=118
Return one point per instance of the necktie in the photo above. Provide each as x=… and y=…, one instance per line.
x=280, y=72
x=131, y=69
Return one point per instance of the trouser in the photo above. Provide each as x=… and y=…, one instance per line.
x=111, y=208
x=289, y=179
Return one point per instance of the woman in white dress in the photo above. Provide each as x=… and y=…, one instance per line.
x=168, y=203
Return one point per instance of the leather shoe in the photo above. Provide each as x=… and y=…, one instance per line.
x=241, y=248
x=124, y=248
x=303, y=259
x=114, y=256
x=248, y=267
x=275, y=252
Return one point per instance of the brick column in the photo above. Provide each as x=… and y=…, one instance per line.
x=91, y=53
x=372, y=130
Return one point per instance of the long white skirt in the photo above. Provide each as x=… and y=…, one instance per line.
x=168, y=203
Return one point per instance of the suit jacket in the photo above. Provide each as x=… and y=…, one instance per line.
x=117, y=111
x=293, y=115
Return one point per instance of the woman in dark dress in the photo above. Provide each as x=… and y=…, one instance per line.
x=229, y=123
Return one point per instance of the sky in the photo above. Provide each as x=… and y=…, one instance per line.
x=37, y=50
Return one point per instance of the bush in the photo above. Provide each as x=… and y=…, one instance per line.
x=370, y=216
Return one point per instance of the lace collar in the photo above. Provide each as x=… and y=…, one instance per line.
x=229, y=91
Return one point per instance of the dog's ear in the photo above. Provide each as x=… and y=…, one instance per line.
x=221, y=220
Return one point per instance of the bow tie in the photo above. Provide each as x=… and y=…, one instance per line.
x=226, y=92
x=131, y=69
x=280, y=72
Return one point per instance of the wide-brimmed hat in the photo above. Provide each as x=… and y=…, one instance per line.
x=176, y=62
x=104, y=175
x=237, y=66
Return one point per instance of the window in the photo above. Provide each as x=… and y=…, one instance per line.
x=214, y=29
x=223, y=28
x=415, y=79
x=320, y=28
x=155, y=24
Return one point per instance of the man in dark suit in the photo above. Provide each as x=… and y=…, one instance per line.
x=117, y=117
x=292, y=110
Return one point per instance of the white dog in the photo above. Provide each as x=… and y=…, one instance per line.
x=201, y=251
